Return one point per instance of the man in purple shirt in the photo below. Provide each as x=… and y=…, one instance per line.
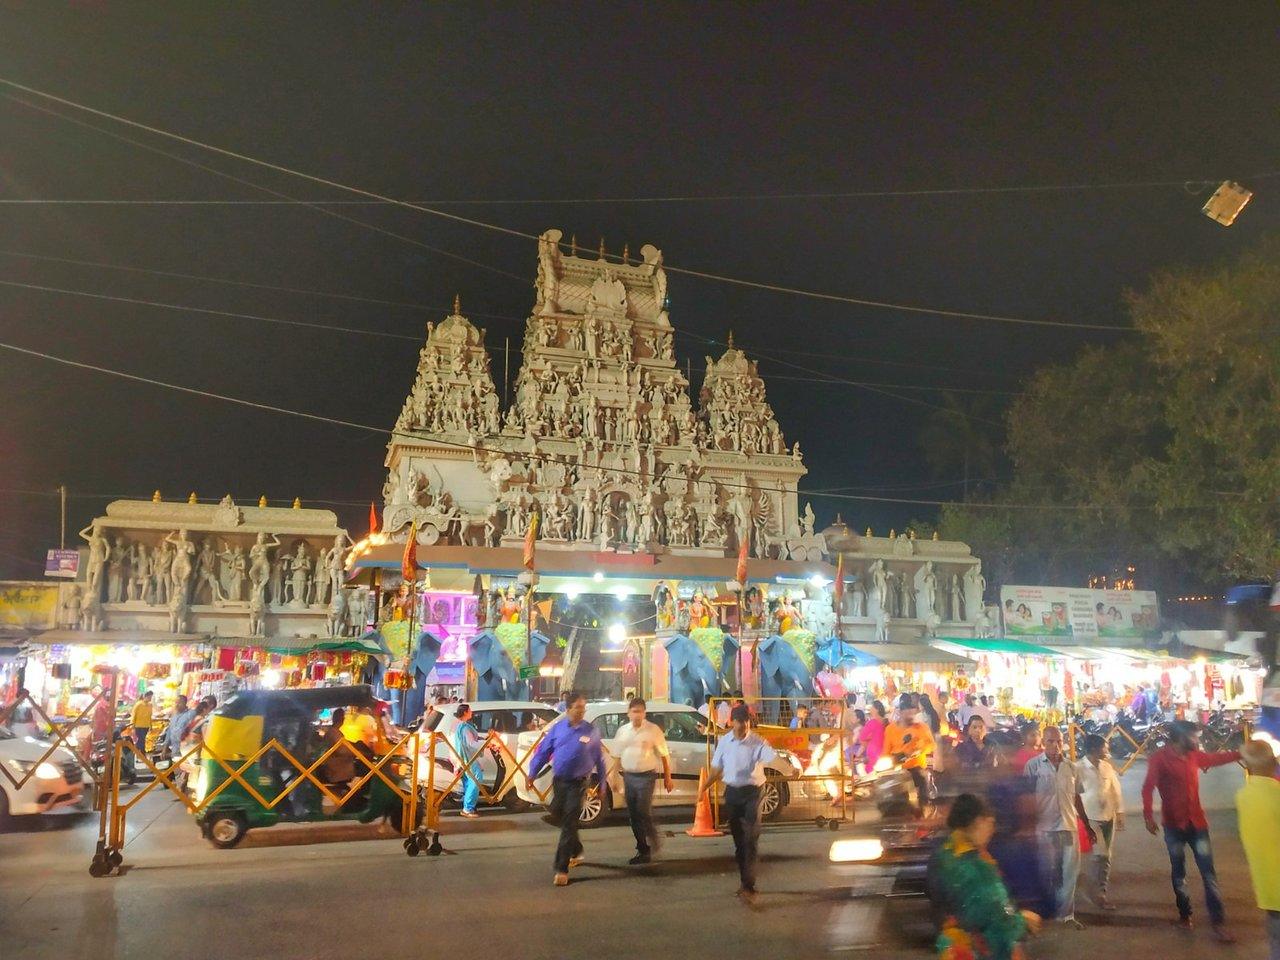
x=573, y=747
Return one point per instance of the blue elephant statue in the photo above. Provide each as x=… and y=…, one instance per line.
x=496, y=677
x=693, y=677
x=406, y=709
x=782, y=675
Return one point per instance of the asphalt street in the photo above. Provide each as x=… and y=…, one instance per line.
x=340, y=891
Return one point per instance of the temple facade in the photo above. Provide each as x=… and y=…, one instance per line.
x=600, y=436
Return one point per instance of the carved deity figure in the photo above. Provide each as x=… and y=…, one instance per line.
x=975, y=585
x=236, y=565
x=260, y=567
x=116, y=562
x=807, y=521
x=181, y=570
x=299, y=575
x=207, y=571
x=926, y=584
x=957, y=598
x=99, y=549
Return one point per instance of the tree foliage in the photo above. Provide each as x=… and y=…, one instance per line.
x=1162, y=450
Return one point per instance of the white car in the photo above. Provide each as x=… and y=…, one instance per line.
x=685, y=729
x=57, y=785
x=509, y=718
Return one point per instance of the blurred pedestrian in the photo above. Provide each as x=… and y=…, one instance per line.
x=140, y=720
x=739, y=761
x=974, y=752
x=872, y=735
x=1059, y=811
x=641, y=748
x=1104, y=804
x=910, y=742
x=981, y=921
x=1258, y=804
x=574, y=749
x=1031, y=745
x=467, y=742
x=1174, y=770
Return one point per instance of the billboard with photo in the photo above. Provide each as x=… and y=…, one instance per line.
x=1079, y=614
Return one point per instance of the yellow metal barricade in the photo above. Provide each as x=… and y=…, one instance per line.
x=1076, y=734
x=403, y=786
x=811, y=781
x=64, y=735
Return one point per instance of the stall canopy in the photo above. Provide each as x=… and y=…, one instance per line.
x=911, y=654
x=999, y=645
x=371, y=643
x=837, y=653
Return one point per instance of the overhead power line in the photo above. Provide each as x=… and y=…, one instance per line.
x=209, y=312
x=380, y=431
x=1186, y=184
x=97, y=264
x=508, y=231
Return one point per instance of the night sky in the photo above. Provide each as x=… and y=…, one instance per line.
x=560, y=102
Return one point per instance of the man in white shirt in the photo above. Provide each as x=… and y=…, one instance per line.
x=968, y=710
x=1057, y=791
x=983, y=709
x=1104, y=805
x=641, y=749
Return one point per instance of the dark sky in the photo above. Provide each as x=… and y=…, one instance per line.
x=555, y=102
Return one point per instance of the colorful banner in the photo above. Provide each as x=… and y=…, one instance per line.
x=29, y=606
x=62, y=563
x=1079, y=613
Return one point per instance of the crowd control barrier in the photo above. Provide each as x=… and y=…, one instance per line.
x=821, y=789
x=90, y=749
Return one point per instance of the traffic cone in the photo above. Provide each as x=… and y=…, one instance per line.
x=703, y=826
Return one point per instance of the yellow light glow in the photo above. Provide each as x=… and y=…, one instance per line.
x=856, y=850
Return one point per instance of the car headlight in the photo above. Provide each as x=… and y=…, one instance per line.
x=857, y=850
x=43, y=771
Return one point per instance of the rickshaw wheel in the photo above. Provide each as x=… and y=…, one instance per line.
x=227, y=828
x=833, y=825
x=115, y=859
x=411, y=846
x=820, y=822
x=436, y=848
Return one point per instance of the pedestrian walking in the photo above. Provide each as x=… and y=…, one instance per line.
x=467, y=742
x=573, y=747
x=1174, y=770
x=1104, y=805
x=1032, y=739
x=872, y=735
x=1059, y=811
x=642, y=752
x=910, y=742
x=739, y=761
x=178, y=723
x=979, y=917
x=140, y=720
x=1258, y=804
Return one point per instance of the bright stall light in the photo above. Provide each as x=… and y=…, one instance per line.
x=856, y=850
x=818, y=580
x=617, y=634
x=598, y=577
x=883, y=764
x=622, y=593
x=47, y=771
x=272, y=679
x=572, y=591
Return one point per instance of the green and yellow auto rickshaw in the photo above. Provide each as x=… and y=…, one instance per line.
x=237, y=730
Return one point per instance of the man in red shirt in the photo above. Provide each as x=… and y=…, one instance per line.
x=1174, y=770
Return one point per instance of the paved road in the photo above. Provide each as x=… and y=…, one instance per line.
x=490, y=896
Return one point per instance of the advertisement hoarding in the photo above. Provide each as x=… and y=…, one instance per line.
x=1079, y=614
x=62, y=563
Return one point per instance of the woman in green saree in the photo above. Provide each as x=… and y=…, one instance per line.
x=979, y=922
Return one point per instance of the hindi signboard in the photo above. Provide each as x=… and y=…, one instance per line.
x=1079, y=614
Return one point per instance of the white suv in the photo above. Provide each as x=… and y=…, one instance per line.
x=510, y=719
x=57, y=785
x=685, y=729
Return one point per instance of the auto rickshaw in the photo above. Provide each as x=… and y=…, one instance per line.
x=238, y=729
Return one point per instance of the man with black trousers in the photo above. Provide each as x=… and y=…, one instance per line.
x=739, y=761
x=642, y=752
x=573, y=747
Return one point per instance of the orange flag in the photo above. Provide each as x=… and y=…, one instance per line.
x=530, y=538
x=373, y=519
x=409, y=562
x=741, y=573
